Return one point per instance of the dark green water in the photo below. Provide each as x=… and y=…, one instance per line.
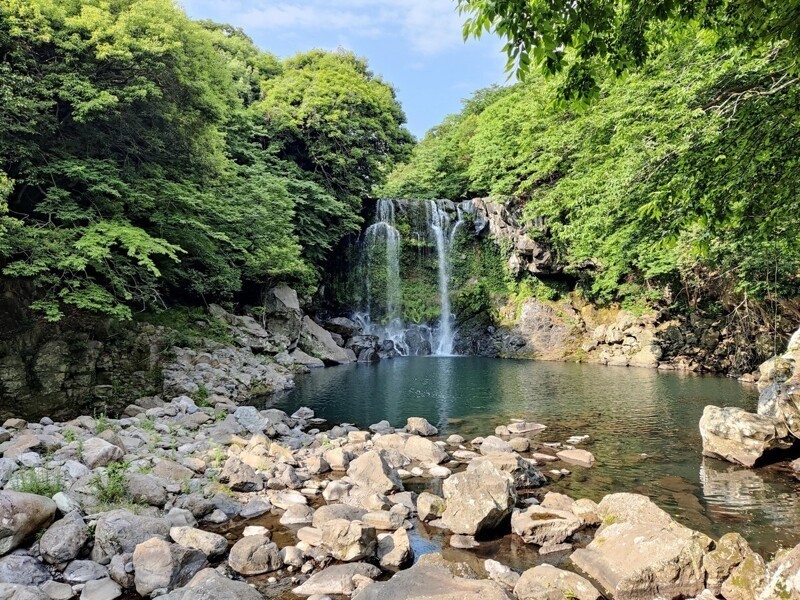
x=642, y=423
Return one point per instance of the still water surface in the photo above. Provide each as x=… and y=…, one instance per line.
x=642, y=423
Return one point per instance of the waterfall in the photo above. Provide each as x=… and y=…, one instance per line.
x=439, y=222
x=431, y=224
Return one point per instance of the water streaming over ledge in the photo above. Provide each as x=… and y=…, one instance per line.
x=380, y=255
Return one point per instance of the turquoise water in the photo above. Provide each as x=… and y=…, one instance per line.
x=642, y=425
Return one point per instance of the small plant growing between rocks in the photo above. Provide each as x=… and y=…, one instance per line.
x=37, y=481
x=101, y=423
x=201, y=397
x=112, y=489
x=69, y=435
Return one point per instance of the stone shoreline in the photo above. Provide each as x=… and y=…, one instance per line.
x=138, y=505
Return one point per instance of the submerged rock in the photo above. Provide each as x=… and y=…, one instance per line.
x=736, y=435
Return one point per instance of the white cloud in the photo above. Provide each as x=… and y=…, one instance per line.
x=428, y=26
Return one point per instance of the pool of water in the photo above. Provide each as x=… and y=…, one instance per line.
x=642, y=423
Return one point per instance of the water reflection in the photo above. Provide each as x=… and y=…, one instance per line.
x=642, y=423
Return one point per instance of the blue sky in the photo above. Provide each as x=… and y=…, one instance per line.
x=414, y=44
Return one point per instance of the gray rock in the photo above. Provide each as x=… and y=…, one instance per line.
x=349, y=540
x=159, y=565
x=121, y=569
x=540, y=525
x=241, y=477
x=501, y=573
x=208, y=584
x=521, y=470
x=81, y=571
x=336, y=580
x=22, y=515
x=329, y=512
x=210, y=544
x=420, y=426
x=146, y=489
x=546, y=582
x=65, y=503
x=641, y=553
x=64, y=539
x=297, y=514
x=477, y=501
x=371, y=471
x=23, y=570
x=317, y=342
x=737, y=436
x=7, y=468
x=432, y=582
x=394, y=549
x=494, y=445
x=249, y=418
x=120, y=531
x=254, y=555
x=254, y=508
x=56, y=590
x=101, y=589
x=98, y=452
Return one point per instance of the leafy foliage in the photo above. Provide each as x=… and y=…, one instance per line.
x=588, y=37
x=146, y=159
x=676, y=182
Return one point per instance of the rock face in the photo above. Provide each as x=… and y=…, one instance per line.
x=640, y=553
x=22, y=515
x=546, y=582
x=735, y=435
x=317, y=342
x=477, y=500
x=432, y=583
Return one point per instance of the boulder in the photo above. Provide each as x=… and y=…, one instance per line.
x=22, y=515
x=546, y=582
x=640, y=553
x=343, y=326
x=370, y=471
x=160, y=565
x=737, y=436
x=120, y=531
x=240, y=476
x=540, y=525
x=432, y=582
x=336, y=580
x=494, y=445
x=521, y=470
x=317, y=342
x=23, y=570
x=477, y=500
x=301, y=358
x=429, y=506
x=253, y=555
x=209, y=584
x=249, y=418
x=420, y=426
x=394, y=549
x=729, y=552
x=210, y=544
x=64, y=539
x=101, y=589
x=783, y=576
x=146, y=489
x=349, y=540
x=98, y=452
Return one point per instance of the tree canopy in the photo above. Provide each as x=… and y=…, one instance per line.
x=590, y=36
x=148, y=158
x=678, y=182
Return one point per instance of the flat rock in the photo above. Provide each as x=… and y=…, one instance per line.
x=432, y=582
x=546, y=582
x=22, y=569
x=576, y=456
x=540, y=525
x=208, y=584
x=210, y=544
x=336, y=580
x=101, y=589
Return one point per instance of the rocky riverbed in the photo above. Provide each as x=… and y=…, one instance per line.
x=219, y=500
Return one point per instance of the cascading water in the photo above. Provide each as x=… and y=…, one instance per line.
x=431, y=225
x=439, y=222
